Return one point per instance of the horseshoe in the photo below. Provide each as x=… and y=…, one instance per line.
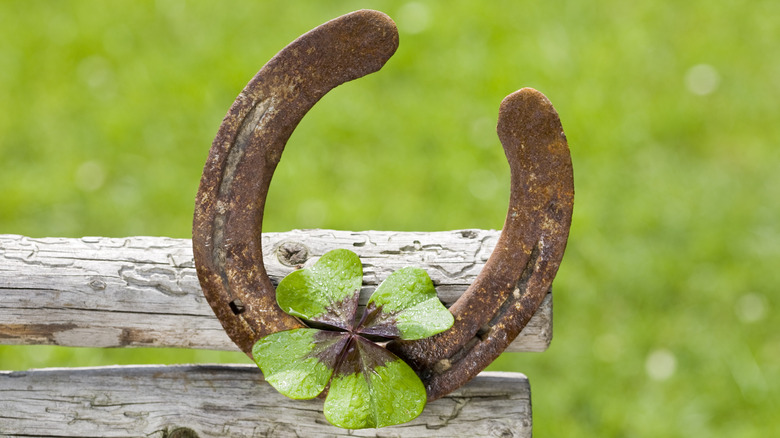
x=231, y=200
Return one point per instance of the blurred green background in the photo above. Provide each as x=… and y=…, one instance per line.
x=665, y=305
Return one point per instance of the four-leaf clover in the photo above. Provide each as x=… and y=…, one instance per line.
x=368, y=386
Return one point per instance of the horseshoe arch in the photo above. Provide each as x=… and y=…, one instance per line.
x=232, y=194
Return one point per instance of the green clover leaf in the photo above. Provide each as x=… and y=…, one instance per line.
x=327, y=292
x=298, y=363
x=406, y=306
x=368, y=386
x=373, y=388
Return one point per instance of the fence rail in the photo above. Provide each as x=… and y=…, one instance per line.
x=228, y=401
x=144, y=292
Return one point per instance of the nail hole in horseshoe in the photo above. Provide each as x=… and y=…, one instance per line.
x=237, y=307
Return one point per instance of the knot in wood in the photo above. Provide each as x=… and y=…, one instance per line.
x=292, y=254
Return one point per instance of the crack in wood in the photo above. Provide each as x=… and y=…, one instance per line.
x=166, y=281
x=460, y=403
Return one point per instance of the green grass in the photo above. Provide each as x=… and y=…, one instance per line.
x=665, y=305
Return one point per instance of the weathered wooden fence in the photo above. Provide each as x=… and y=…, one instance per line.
x=144, y=292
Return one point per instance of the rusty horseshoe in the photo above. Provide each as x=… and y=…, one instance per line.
x=232, y=195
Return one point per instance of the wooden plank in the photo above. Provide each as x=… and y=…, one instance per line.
x=144, y=291
x=229, y=401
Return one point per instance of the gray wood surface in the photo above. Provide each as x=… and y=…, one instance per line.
x=229, y=401
x=144, y=291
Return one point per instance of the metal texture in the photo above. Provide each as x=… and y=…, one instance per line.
x=232, y=194
x=249, y=144
x=520, y=271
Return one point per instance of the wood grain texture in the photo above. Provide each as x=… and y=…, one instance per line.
x=229, y=401
x=144, y=291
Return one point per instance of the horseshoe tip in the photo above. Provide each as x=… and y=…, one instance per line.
x=381, y=21
x=525, y=97
x=527, y=114
x=373, y=13
x=373, y=35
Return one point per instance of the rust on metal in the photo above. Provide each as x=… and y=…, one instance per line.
x=519, y=272
x=232, y=194
x=247, y=148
